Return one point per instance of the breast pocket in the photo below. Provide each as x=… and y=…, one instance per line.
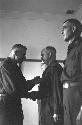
x=73, y=64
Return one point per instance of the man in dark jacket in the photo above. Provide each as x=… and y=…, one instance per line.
x=13, y=87
x=50, y=90
x=72, y=72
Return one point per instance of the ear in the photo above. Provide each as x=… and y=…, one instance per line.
x=15, y=52
x=74, y=29
x=12, y=52
x=50, y=54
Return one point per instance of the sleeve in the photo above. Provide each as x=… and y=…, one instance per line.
x=31, y=83
x=57, y=97
x=81, y=60
x=80, y=77
x=25, y=86
x=21, y=86
x=44, y=88
x=15, y=82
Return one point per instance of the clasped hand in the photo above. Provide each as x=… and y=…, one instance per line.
x=32, y=95
x=55, y=116
x=37, y=80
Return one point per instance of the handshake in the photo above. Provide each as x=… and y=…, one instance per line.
x=33, y=95
x=36, y=80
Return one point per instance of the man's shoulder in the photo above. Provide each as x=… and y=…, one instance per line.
x=57, y=67
x=80, y=40
x=6, y=62
x=80, y=44
x=8, y=65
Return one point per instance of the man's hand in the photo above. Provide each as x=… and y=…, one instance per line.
x=55, y=116
x=31, y=83
x=37, y=80
x=79, y=116
x=32, y=95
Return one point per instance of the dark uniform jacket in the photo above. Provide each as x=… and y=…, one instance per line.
x=73, y=64
x=50, y=93
x=14, y=88
x=72, y=73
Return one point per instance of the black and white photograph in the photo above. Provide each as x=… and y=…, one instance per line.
x=40, y=62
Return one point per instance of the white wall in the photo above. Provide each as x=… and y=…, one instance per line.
x=35, y=31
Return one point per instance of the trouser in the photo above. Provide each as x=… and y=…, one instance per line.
x=10, y=117
x=71, y=103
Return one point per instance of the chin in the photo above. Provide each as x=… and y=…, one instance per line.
x=66, y=39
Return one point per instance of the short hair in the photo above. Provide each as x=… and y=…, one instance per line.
x=77, y=23
x=51, y=49
x=19, y=46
